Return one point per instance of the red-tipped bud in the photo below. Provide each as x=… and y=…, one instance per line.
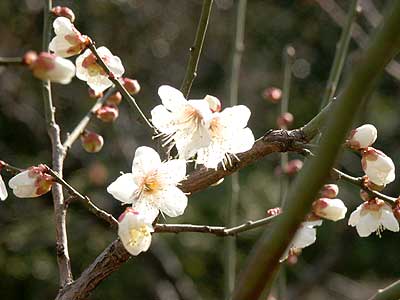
x=331, y=209
x=293, y=166
x=29, y=57
x=365, y=195
x=131, y=85
x=272, y=94
x=107, y=113
x=63, y=11
x=213, y=103
x=285, y=120
x=329, y=191
x=115, y=99
x=91, y=141
x=396, y=212
x=274, y=211
x=94, y=95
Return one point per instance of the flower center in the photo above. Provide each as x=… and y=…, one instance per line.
x=92, y=66
x=136, y=234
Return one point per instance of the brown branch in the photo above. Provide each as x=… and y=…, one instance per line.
x=6, y=61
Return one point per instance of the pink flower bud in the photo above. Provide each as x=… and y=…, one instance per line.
x=213, y=103
x=274, y=211
x=365, y=195
x=91, y=141
x=107, y=113
x=29, y=57
x=47, y=66
x=131, y=85
x=377, y=166
x=115, y=99
x=331, y=209
x=272, y=94
x=329, y=191
x=285, y=120
x=362, y=137
x=95, y=95
x=63, y=11
x=32, y=182
x=293, y=166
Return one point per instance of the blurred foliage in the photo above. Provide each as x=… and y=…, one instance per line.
x=152, y=38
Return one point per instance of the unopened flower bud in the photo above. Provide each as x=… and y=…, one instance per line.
x=272, y=94
x=331, y=209
x=362, y=137
x=91, y=141
x=396, y=212
x=365, y=195
x=63, y=11
x=285, y=120
x=131, y=85
x=329, y=191
x=107, y=113
x=46, y=66
x=32, y=182
x=293, y=166
x=377, y=166
x=94, y=95
x=213, y=103
x=115, y=99
x=274, y=211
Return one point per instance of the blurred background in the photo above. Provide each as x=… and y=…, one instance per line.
x=152, y=38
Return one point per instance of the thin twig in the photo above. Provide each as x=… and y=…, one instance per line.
x=233, y=202
x=132, y=102
x=195, y=50
x=6, y=61
x=78, y=130
x=60, y=211
x=340, y=55
x=390, y=292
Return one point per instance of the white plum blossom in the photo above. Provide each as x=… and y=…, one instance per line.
x=46, y=66
x=330, y=190
x=31, y=183
x=3, y=190
x=87, y=68
x=373, y=216
x=229, y=135
x=362, y=137
x=68, y=40
x=183, y=122
x=378, y=166
x=305, y=236
x=152, y=185
x=331, y=209
x=134, y=230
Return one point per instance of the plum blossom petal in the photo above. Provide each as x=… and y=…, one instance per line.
x=134, y=231
x=378, y=166
x=87, y=68
x=3, y=190
x=152, y=185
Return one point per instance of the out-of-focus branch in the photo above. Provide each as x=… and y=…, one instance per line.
x=233, y=202
x=264, y=259
x=6, y=61
x=388, y=293
x=78, y=130
x=132, y=102
x=358, y=34
x=195, y=50
x=340, y=55
x=60, y=211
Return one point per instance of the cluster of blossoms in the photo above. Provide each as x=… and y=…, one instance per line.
x=199, y=127
x=374, y=215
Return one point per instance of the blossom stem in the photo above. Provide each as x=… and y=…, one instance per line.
x=264, y=259
x=6, y=61
x=132, y=102
x=78, y=130
x=230, y=243
x=388, y=293
x=195, y=50
x=340, y=55
x=60, y=211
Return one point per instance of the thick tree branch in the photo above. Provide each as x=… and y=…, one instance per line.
x=60, y=212
x=195, y=50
